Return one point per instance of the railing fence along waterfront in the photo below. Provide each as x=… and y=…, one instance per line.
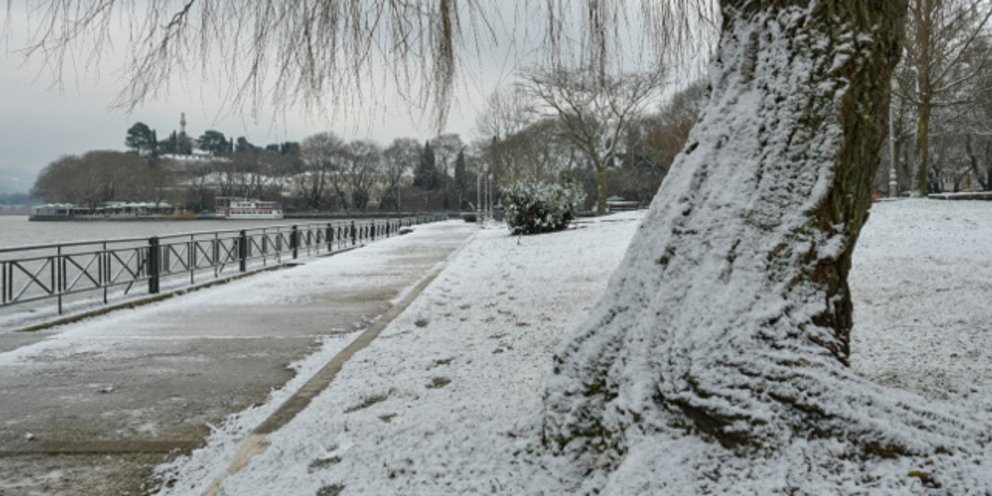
x=57, y=271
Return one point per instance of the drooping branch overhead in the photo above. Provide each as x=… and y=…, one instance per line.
x=318, y=52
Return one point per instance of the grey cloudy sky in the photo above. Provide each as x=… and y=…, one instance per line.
x=43, y=121
x=40, y=122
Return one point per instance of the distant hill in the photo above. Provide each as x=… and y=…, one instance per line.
x=17, y=203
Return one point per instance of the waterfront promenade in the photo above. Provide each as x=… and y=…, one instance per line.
x=92, y=407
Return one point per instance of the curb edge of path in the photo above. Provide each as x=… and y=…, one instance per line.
x=256, y=444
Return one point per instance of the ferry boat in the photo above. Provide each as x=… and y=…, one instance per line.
x=247, y=208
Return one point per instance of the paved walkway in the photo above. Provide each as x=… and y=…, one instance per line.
x=91, y=408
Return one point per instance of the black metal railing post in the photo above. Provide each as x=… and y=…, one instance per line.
x=101, y=281
x=153, y=265
x=243, y=251
x=191, y=258
x=294, y=241
x=215, y=252
x=265, y=248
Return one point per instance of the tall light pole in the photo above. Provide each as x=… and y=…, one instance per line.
x=893, y=181
x=489, y=194
x=478, y=191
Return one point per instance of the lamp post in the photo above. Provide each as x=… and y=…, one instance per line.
x=893, y=178
x=489, y=194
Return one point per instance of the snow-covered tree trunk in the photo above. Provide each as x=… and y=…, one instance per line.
x=730, y=316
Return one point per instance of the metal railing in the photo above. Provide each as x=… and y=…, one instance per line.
x=58, y=271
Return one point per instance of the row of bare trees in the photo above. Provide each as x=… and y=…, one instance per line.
x=101, y=176
x=942, y=99
x=596, y=129
x=334, y=174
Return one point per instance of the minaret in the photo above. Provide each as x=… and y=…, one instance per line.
x=182, y=122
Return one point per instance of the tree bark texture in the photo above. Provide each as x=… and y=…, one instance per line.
x=730, y=316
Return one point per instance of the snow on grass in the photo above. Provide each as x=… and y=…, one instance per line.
x=922, y=279
x=449, y=399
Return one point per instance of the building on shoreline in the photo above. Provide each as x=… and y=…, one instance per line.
x=107, y=211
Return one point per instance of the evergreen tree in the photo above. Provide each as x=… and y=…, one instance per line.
x=289, y=148
x=426, y=176
x=170, y=144
x=243, y=145
x=214, y=142
x=140, y=138
x=461, y=177
x=184, y=145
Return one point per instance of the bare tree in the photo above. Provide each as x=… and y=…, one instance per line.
x=592, y=110
x=508, y=110
x=197, y=180
x=944, y=58
x=321, y=154
x=101, y=176
x=537, y=151
x=360, y=171
x=446, y=149
x=398, y=160
x=679, y=115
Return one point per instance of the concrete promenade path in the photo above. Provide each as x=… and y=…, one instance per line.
x=93, y=407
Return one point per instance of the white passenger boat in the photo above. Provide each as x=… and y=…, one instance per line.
x=247, y=208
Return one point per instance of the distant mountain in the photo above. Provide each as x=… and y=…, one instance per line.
x=17, y=199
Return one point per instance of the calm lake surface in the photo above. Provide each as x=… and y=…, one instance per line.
x=16, y=230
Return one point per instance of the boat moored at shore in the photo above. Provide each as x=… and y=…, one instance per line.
x=247, y=208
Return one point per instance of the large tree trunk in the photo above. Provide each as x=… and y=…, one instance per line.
x=730, y=315
x=923, y=185
x=924, y=27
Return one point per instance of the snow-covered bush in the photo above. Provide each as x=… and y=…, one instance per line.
x=536, y=207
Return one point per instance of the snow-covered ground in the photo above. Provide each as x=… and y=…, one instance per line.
x=448, y=400
x=922, y=283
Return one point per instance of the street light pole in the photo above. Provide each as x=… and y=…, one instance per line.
x=478, y=192
x=893, y=181
x=489, y=194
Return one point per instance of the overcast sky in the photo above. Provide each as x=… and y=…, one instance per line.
x=43, y=121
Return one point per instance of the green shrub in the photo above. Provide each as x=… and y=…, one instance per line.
x=536, y=207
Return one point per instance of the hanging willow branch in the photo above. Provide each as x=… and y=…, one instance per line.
x=317, y=52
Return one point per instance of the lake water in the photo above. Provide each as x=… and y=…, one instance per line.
x=16, y=230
